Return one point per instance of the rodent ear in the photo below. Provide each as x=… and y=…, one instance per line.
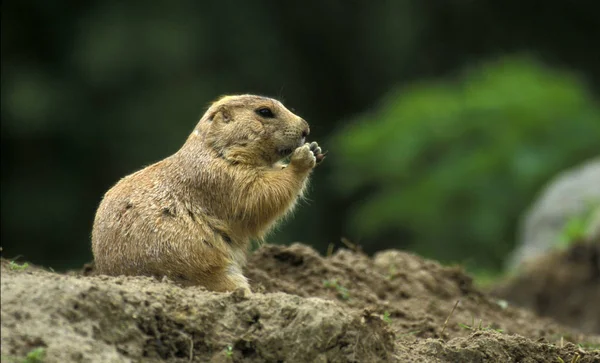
x=220, y=114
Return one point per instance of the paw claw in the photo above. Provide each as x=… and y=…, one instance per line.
x=317, y=151
x=308, y=155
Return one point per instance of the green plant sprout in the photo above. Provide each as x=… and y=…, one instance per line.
x=391, y=272
x=576, y=227
x=35, y=356
x=386, y=317
x=343, y=293
x=589, y=346
x=479, y=326
x=16, y=267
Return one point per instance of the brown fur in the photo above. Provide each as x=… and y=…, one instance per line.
x=191, y=216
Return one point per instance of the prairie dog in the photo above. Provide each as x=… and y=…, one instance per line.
x=192, y=215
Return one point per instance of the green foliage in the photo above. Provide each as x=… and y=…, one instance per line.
x=452, y=164
x=391, y=272
x=386, y=317
x=484, y=278
x=35, y=356
x=589, y=346
x=573, y=230
x=576, y=227
x=342, y=292
x=229, y=352
x=16, y=267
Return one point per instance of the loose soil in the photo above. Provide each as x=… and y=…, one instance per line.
x=564, y=285
x=348, y=307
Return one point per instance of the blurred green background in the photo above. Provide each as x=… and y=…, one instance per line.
x=442, y=118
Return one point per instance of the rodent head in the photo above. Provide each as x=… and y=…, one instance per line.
x=250, y=129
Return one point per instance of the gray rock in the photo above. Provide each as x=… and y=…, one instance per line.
x=574, y=193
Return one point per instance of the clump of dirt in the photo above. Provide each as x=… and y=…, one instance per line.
x=416, y=295
x=491, y=346
x=564, y=285
x=306, y=308
x=107, y=319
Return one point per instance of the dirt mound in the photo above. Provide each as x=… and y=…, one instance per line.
x=416, y=294
x=103, y=319
x=345, y=308
x=564, y=285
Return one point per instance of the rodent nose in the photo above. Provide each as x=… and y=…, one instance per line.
x=306, y=128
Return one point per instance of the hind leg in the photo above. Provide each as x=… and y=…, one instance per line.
x=234, y=274
x=226, y=280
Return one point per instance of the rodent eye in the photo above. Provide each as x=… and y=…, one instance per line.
x=265, y=112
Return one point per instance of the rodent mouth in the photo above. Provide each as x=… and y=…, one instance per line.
x=287, y=151
x=284, y=152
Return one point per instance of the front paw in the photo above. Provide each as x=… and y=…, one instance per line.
x=316, y=150
x=303, y=158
